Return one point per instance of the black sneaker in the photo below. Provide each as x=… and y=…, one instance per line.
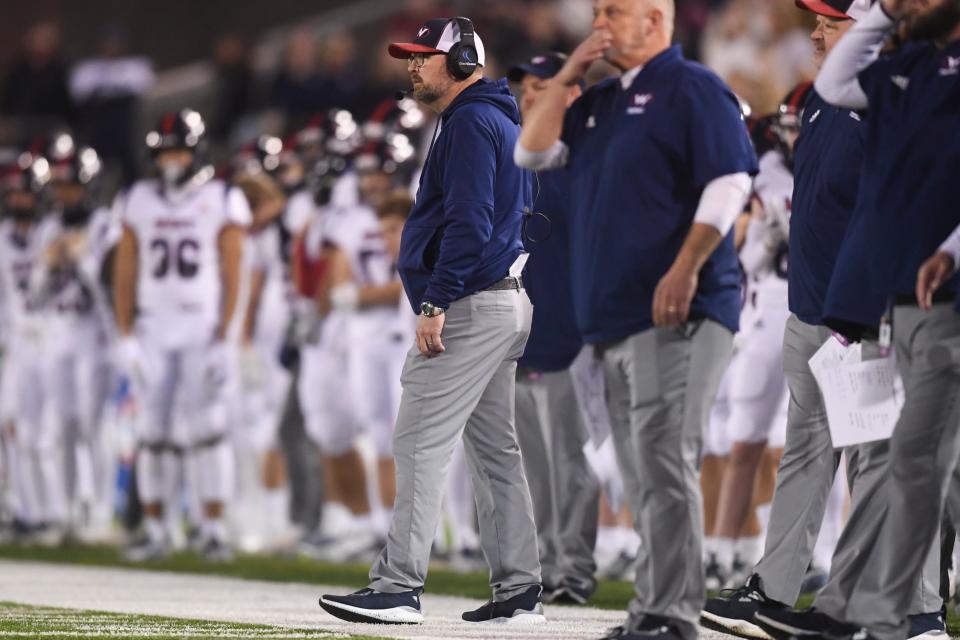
x=523, y=608
x=375, y=607
x=927, y=626
x=215, y=550
x=566, y=593
x=732, y=612
x=786, y=624
x=649, y=628
x=714, y=579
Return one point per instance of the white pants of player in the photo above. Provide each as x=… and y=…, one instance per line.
x=79, y=382
x=36, y=460
x=716, y=437
x=757, y=386
x=324, y=389
x=375, y=362
x=263, y=386
x=178, y=389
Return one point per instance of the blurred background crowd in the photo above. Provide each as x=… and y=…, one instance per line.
x=108, y=71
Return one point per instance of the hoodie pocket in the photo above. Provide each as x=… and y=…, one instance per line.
x=415, y=243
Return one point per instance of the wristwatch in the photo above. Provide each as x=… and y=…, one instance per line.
x=431, y=310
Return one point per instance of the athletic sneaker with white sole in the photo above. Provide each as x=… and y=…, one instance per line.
x=927, y=626
x=523, y=608
x=367, y=605
x=732, y=612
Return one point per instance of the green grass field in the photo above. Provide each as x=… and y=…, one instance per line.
x=610, y=595
x=20, y=621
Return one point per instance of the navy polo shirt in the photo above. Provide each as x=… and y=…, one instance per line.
x=639, y=160
x=827, y=160
x=554, y=340
x=912, y=161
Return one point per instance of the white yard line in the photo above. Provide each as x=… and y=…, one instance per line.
x=272, y=603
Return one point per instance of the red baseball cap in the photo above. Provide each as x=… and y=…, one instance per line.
x=840, y=9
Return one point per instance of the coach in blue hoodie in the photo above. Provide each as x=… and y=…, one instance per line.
x=460, y=261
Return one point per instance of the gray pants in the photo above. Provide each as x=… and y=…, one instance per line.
x=565, y=492
x=468, y=390
x=886, y=547
x=806, y=473
x=661, y=384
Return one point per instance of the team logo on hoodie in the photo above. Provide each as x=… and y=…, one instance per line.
x=639, y=103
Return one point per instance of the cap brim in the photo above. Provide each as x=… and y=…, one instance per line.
x=402, y=50
x=821, y=8
x=518, y=72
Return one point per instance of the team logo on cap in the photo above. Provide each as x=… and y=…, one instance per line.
x=640, y=102
x=951, y=66
x=539, y=60
x=423, y=31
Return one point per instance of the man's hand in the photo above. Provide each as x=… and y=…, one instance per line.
x=672, y=298
x=894, y=8
x=933, y=273
x=428, y=335
x=586, y=53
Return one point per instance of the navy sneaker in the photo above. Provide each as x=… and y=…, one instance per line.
x=649, y=628
x=813, y=581
x=786, y=624
x=926, y=626
x=732, y=612
x=375, y=607
x=523, y=608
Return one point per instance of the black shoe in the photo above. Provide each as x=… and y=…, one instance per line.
x=566, y=593
x=375, y=607
x=523, y=608
x=714, y=579
x=787, y=624
x=214, y=550
x=927, y=626
x=732, y=612
x=650, y=628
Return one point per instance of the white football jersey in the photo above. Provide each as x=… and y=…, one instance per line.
x=178, y=276
x=356, y=231
x=20, y=256
x=266, y=252
x=73, y=300
x=764, y=253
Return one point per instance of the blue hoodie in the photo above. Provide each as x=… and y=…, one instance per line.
x=463, y=233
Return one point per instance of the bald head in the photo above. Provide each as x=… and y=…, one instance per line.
x=640, y=29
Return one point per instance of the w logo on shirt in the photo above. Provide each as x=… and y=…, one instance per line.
x=640, y=102
x=950, y=67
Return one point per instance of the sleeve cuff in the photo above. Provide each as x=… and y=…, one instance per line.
x=553, y=158
x=723, y=200
x=951, y=246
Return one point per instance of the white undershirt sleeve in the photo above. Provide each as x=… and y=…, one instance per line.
x=837, y=82
x=552, y=158
x=723, y=200
x=951, y=246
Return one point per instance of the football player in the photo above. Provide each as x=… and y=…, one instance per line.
x=176, y=283
x=78, y=326
x=31, y=441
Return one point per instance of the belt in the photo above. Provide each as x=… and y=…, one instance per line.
x=910, y=299
x=507, y=284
